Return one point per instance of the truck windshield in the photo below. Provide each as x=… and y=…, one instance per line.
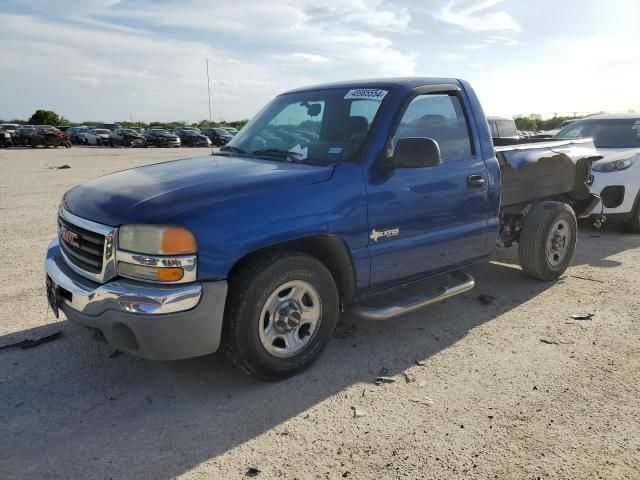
x=316, y=126
x=606, y=133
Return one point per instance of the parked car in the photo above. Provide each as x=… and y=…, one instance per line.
x=75, y=132
x=177, y=130
x=231, y=130
x=218, y=136
x=191, y=138
x=108, y=126
x=48, y=136
x=9, y=127
x=502, y=127
x=126, y=137
x=160, y=137
x=260, y=245
x=22, y=136
x=617, y=175
x=5, y=139
x=97, y=136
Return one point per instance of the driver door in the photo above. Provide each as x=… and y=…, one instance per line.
x=431, y=219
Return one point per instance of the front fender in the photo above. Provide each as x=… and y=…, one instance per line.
x=236, y=228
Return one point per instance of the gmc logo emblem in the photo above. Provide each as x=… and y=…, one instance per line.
x=70, y=237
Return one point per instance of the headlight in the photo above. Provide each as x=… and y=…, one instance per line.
x=156, y=240
x=615, y=165
x=156, y=253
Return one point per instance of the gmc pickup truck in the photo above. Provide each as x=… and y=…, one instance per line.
x=333, y=198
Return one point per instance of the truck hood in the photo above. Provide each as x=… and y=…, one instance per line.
x=160, y=193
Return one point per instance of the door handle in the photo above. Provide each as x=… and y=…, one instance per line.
x=476, y=182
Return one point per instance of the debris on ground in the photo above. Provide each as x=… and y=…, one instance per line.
x=61, y=167
x=358, y=412
x=33, y=342
x=422, y=401
x=115, y=353
x=586, y=278
x=582, y=316
x=485, y=299
x=381, y=380
x=408, y=378
x=548, y=342
x=252, y=472
x=421, y=363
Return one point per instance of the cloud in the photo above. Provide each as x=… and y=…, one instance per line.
x=473, y=16
x=502, y=40
x=310, y=57
x=92, y=81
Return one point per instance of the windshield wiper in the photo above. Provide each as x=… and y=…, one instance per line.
x=276, y=152
x=233, y=150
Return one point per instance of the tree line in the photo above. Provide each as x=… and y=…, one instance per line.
x=49, y=117
x=532, y=125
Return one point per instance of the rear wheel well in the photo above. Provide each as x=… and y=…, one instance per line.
x=332, y=251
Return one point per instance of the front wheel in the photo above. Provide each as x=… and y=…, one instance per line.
x=634, y=224
x=547, y=240
x=281, y=312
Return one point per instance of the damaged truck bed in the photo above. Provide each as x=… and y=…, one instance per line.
x=534, y=171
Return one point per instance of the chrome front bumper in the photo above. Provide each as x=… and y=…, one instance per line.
x=129, y=296
x=159, y=322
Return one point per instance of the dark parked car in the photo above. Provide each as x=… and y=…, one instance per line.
x=218, y=136
x=22, y=136
x=191, y=138
x=126, y=137
x=159, y=137
x=75, y=134
x=108, y=126
x=48, y=136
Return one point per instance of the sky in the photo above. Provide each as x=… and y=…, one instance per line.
x=113, y=60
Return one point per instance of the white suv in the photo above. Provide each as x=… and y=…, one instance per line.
x=617, y=175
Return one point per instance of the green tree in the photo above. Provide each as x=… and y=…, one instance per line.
x=526, y=124
x=47, y=117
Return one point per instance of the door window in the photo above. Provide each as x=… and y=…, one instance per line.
x=441, y=118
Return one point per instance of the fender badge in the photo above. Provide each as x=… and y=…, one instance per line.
x=376, y=235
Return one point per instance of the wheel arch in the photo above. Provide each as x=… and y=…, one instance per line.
x=331, y=250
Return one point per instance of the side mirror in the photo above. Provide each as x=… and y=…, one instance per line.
x=415, y=152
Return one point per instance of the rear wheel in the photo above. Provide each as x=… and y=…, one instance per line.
x=547, y=240
x=281, y=312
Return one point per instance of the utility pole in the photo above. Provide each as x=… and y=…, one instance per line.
x=209, y=92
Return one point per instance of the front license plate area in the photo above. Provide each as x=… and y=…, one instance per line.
x=53, y=296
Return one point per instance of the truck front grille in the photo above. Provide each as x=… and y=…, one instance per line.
x=86, y=248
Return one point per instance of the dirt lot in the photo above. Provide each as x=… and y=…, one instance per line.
x=510, y=390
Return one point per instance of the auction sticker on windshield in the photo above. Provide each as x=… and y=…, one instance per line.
x=365, y=94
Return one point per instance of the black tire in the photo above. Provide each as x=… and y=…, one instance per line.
x=634, y=224
x=249, y=289
x=546, y=222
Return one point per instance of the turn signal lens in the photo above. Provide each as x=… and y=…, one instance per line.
x=170, y=274
x=155, y=274
x=177, y=241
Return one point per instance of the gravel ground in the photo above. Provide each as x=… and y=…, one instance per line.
x=511, y=390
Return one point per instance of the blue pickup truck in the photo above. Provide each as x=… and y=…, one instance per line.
x=333, y=198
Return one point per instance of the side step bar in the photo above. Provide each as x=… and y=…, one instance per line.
x=466, y=283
